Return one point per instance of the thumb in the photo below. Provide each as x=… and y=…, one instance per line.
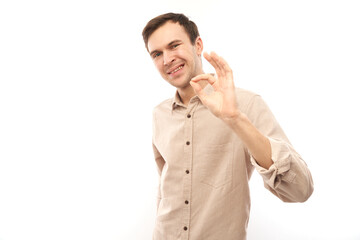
x=198, y=90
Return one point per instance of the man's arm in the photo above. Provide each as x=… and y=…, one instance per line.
x=288, y=177
x=159, y=164
x=159, y=160
x=222, y=103
x=284, y=173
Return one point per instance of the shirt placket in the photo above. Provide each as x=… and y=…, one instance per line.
x=188, y=157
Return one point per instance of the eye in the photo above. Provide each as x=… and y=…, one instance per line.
x=156, y=54
x=175, y=46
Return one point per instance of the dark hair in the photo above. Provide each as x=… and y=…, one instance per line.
x=189, y=26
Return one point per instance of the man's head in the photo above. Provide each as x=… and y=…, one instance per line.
x=189, y=26
x=175, y=46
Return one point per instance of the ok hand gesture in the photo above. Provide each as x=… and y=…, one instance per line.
x=222, y=101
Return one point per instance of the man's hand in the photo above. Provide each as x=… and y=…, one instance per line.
x=222, y=101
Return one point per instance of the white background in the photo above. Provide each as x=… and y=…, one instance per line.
x=77, y=89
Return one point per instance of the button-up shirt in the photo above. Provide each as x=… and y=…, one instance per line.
x=204, y=169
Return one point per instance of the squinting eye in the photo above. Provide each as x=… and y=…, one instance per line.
x=156, y=54
x=175, y=46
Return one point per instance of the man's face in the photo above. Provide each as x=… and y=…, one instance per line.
x=176, y=59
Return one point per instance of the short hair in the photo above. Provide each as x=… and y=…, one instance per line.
x=189, y=26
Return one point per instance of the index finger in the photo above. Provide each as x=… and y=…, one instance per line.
x=212, y=59
x=226, y=69
x=215, y=61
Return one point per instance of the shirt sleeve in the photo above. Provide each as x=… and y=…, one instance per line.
x=288, y=177
x=159, y=162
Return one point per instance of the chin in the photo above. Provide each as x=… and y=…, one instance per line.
x=179, y=83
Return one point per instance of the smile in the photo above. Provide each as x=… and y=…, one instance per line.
x=176, y=69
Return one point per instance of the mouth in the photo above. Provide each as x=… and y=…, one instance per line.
x=176, y=69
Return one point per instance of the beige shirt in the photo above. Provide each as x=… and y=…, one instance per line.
x=204, y=169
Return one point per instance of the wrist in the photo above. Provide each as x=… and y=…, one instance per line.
x=235, y=119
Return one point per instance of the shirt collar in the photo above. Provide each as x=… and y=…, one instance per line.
x=176, y=101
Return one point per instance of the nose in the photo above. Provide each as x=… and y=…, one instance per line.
x=168, y=58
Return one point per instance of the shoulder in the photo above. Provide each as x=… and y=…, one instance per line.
x=245, y=94
x=245, y=98
x=164, y=106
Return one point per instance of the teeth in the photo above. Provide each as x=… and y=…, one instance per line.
x=177, y=69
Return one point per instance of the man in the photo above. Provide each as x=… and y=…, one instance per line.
x=208, y=139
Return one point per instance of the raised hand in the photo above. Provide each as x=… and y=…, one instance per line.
x=222, y=101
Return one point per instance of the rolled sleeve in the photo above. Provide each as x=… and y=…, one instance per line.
x=288, y=177
x=280, y=155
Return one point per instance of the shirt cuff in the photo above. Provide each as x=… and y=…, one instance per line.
x=280, y=170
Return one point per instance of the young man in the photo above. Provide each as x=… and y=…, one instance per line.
x=208, y=139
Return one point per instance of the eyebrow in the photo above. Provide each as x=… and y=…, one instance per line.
x=169, y=44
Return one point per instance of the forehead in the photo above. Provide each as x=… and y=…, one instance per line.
x=165, y=34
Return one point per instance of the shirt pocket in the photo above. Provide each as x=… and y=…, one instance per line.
x=216, y=164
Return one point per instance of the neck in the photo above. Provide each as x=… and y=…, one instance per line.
x=188, y=92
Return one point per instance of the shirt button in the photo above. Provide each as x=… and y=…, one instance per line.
x=187, y=143
x=185, y=228
x=189, y=116
x=187, y=171
x=186, y=202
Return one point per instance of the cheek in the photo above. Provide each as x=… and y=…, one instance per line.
x=158, y=65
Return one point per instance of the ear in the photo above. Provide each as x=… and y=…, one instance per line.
x=199, y=46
